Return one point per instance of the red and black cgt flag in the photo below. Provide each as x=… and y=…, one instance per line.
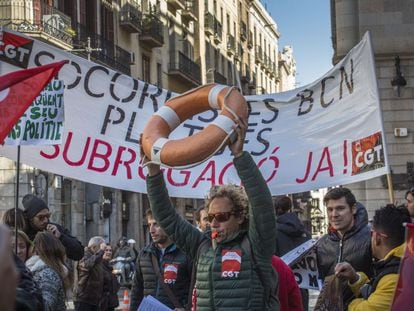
x=18, y=89
x=15, y=49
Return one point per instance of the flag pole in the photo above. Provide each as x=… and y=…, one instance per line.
x=17, y=195
x=390, y=188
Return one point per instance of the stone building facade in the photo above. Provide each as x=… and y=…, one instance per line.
x=391, y=24
x=175, y=44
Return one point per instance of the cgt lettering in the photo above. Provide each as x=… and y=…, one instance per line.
x=368, y=157
x=13, y=52
x=169, y=281
x=230, y=274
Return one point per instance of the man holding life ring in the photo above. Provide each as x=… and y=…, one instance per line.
x=233, y=266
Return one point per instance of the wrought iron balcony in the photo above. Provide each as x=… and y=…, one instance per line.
x=44, y=22
x=218, y=31
x=152, y=31
x=245, y=74
x=252, y=82
x=231, y=45
x=250, y=40
x=130, y=18
x=108, y=54
x=243, y=31
x=258, y=54
x=260, y=90
x=176, y=4
x=190, y=11
x=239, y=52
x=209, y=24
x=184, y=68
x=214, y=76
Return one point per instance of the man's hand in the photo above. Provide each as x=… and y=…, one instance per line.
x=240, y=129
x=53, y=229
x=344, y=270
x=153, y=169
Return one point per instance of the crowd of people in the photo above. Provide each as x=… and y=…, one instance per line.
x=229, y=260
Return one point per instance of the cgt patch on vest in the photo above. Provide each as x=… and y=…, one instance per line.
x=170, y=273
x=15, y=49
x=230, y=263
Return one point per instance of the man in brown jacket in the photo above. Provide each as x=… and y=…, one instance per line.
x=89, y=276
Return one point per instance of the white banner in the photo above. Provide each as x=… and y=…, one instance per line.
x=324, y=134
x=42, y=123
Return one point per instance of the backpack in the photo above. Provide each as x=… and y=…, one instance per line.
x=271, y=300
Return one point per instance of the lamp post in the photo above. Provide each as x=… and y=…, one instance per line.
x=398, y=81
x=88, y=49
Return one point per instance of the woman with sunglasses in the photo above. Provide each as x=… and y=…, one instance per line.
x=228, y=274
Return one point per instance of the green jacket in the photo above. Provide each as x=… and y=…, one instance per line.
x=216, y=290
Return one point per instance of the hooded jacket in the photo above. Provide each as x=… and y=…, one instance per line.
x=290, y=233
x=381, y=298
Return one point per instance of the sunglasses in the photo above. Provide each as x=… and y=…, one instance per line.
x=43, y=217
x=220, y=217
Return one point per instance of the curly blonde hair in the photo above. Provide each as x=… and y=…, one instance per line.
x=235, y=194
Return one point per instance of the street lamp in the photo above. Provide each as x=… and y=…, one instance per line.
x=398, y=81
x=88, y=49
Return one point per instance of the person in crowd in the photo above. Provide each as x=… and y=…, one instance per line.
x=8, y=272
x=409, y=197
x=125, y=251
x=11, y=221
x=290, y=233
x=387, y=242
x=109, y=299
x=289, y=293
x=37, y=216
x=233, y=268
x=348, y=238
x=131, y=243
x=49, y=271
x=89, y=277
x=201, y=219
x=173, y=270
x=23, y=245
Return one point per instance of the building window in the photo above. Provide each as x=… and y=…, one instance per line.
x=146, y=69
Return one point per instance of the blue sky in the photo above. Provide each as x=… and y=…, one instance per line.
x=305, y=25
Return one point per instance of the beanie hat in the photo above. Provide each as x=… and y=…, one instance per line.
x=33, y=206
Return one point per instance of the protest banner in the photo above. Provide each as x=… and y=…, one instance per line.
x=42, y=123
x=323, y=134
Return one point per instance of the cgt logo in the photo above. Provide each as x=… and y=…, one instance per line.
x=230, y=263
x=367, y=154
x=15, y=49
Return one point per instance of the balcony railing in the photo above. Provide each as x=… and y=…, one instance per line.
x=250, y=40
x=243, y=31
x=185, y=68
x=190, y=11
x=130, y=18
x=109, y=54
x=239, y=52
x=209, y=24
x=245, y=74
x=218, y=31
x=176, y=4
x=231, y=45
x=46, y=22
x=258, y=54
x=219, y=78
x=152, y=31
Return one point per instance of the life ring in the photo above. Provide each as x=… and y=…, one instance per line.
x=195, y=149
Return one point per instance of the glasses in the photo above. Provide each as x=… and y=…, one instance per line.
x=43, y=217
x=220, y=217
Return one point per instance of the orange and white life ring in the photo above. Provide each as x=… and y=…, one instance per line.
x=195, y=149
